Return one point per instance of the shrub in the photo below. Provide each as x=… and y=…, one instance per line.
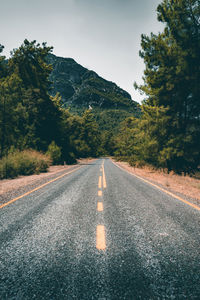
x=135, y=162
x=55, y=153
x=26, y=162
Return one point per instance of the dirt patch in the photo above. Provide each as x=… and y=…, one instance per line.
x=186, y=186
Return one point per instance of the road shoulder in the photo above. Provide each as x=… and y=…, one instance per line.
x=182, y=186
x=12, y=188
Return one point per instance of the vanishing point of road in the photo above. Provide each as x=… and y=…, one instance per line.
x=99, y=232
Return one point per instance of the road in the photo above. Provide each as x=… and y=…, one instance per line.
x=99, y=233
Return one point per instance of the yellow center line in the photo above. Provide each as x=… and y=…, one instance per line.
x=38, y=188
x=104, y=179
x=100, y=238
x=100, y=182
x=99, y=193
x=99, y=206
x=161, y=189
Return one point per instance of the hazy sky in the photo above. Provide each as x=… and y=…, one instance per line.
x=102, y=35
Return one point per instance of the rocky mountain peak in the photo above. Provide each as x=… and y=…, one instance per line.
x=80, y=87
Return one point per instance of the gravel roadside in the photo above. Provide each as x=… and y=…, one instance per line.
x=183, y=186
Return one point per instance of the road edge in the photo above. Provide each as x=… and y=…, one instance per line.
x=160, y=188
x=37, y=188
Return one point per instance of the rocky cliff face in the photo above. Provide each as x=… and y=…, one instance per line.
x=80, y=87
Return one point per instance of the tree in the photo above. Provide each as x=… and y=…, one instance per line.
x=29, y=62
x=90, y=133
x=125, y=142
x=141, y=141
x=107, y=146
x=55, y=153
x=41, y=117
x=3, y=104
x=3, y=68
x=10, y=117
x=171, y=80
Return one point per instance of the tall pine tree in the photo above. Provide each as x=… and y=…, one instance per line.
x=171, y=80
x=41, y=114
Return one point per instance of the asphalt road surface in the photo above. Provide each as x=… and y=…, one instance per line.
x=99, y=233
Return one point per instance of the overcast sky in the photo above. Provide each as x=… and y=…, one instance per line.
x=102, y=35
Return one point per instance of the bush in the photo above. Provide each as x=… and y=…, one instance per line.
x=55, y=153
x=135, y=162
x=26, y=162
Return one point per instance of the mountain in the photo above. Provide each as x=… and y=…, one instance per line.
x=81, y=88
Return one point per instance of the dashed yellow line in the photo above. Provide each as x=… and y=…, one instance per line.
x=100, y=182
x=104, y=179
x=100, y=193
x=100, y=230
x=36, y=189
x=100, y=238
x=99, y=206
x=161, y=189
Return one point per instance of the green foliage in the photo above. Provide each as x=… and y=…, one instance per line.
x=26, y=162
x=89, y=134
x=2, y=63
x=125, y=140
x=171, y=82
x=110, y=119
x=28, y=116
x=107, y=146
x=29, y=63
x=55, y=153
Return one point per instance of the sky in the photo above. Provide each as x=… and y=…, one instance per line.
x=102, y=35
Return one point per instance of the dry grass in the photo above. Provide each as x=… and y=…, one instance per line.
x=25, y=162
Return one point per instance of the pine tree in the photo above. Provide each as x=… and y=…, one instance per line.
x=171, y=80
x=41, y=116
x=90, y=134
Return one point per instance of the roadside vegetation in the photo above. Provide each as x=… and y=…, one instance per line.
x=26, y=162
x=165, y=135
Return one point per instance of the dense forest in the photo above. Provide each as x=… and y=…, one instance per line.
x=165, y=134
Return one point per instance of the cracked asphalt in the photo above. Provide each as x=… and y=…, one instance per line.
x=60, y=243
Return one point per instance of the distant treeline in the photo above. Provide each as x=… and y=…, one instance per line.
x=167, y=135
